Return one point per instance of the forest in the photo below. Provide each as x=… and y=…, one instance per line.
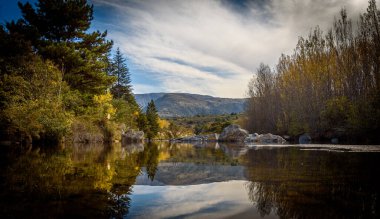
x=328, y=87
x=59, y=81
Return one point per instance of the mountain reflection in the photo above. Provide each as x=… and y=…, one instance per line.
x=313, y=184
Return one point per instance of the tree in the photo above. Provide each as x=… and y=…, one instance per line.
x=142, y=122
x=51, y=68
x=56, y=30
x=328, y=86
x=120, y=70
x=152, y=120
x=263, y=94
x=122, y=87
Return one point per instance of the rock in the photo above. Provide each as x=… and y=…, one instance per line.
x=265, y=139
x=304, y=139
x=190, y=138
x=197, y=138
x=251, y=138
x=211, y=137
x=132, y=136
x=233, y=133
x=286, y=137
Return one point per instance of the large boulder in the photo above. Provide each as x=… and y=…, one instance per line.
x=251, y=138
x=233, y=133
x=132, y=136
x=270, y=139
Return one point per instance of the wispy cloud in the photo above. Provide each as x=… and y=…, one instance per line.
x=210, y=47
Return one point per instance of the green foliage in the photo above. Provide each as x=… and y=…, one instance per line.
x=337, y=112
x=119, y=69
x=125, y=113
x=142, y=122
x=53, y=77
x=60, y=35
x=33, y=106
x=202, y=124
x=152, y=120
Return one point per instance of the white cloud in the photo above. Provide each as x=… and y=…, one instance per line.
x=208, y=47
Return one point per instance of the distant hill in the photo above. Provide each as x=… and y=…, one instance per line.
x=184, y=104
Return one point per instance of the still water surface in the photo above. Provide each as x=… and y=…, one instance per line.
x=162, y=180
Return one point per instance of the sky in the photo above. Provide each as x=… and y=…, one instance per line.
x=210, y=47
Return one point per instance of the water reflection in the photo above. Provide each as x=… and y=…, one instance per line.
x=211, y=200
x=295, y=183
x=208, y=180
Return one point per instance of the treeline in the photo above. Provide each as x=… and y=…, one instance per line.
x=59, y=80
x=329, y=86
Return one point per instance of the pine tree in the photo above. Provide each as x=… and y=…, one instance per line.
x=152, y=120
x=56, y=29
x=121, y=71
x=118, y=69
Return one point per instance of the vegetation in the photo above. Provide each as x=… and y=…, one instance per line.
x=55, y=76
x=119, y=69
x=198, y=125
x=329, y=86
x=152, y=121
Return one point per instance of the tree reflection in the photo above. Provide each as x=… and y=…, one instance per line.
x=313, y=184
x=78, y=180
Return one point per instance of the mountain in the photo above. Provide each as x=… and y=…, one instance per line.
x=184, y=104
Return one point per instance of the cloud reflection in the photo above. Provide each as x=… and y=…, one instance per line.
x=214, y=200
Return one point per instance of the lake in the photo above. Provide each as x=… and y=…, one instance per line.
x=163, y=180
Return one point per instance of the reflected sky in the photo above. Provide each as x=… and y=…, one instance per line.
x=213, y=200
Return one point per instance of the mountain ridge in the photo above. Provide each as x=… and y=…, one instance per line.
x=186, y=104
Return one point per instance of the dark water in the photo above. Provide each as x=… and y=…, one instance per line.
x=161, y=180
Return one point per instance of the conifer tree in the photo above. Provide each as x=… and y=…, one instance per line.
x=152, y=120
x=57, y=30
x=118, y=69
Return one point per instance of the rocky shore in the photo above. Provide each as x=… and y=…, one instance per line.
x=234, y=133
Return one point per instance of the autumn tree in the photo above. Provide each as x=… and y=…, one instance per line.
x=329, y=85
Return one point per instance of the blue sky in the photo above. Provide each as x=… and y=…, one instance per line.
x=206, y=47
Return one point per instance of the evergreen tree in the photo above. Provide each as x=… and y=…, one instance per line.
x=118, y=69
x=152, y=120
x=50, y=69
x=142, y=122
x=56, y=30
